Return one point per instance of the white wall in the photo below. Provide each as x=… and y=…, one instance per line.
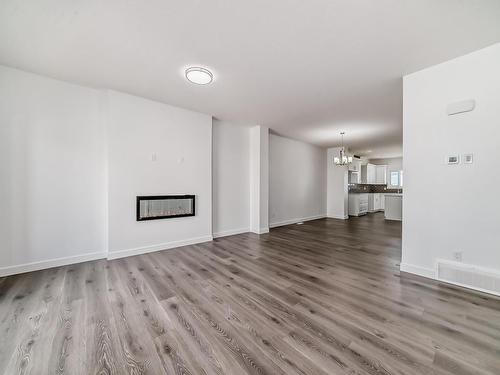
x=231, y=178
x=264, y=180
x=259, y=179
x=53, y=176
x=449, y=208
x=182, y=142
x=393, y=164
x=297, y=181
x=72, y=161
x=337, y=198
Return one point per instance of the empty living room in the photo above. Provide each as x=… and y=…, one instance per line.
x=238, y=187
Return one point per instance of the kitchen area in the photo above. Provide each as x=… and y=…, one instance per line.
x=376, y=185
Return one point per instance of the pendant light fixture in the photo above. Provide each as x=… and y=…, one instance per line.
x=342, y=159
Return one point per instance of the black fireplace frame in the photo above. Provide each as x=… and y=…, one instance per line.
x=163, y=197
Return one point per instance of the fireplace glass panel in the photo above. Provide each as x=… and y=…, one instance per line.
x=165, y=206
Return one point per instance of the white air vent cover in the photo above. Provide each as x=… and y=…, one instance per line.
x=469, y=276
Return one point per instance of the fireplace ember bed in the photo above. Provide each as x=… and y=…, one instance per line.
x=165, y=207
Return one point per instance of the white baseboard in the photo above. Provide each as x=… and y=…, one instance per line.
x=231, y=232
x=44, y=264
x=297, y=220
x=260, y=231
x=341, y=217
x=159, y=247
x=417, y=270
x=58, y=262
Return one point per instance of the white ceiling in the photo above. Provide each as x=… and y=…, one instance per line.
x=308, y=69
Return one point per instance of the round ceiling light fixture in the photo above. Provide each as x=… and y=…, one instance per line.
x=199, y=76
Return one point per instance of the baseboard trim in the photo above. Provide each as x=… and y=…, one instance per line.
x=51, y=263
x=153, y=248
x=260, y=231
x=340, y=217
x=417, y=270
x=231, y=232
x=294, y=221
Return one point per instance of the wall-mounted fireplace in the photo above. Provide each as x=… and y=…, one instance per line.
x=165, y=206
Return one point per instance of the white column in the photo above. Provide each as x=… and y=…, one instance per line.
x=259, y=179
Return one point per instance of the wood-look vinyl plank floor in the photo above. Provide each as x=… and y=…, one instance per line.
x=325, y=297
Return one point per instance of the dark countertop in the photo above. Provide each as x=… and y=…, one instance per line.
x=372, y=188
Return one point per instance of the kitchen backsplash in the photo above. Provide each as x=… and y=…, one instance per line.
x=372, y=188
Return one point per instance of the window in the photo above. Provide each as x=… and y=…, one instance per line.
x=396, y=178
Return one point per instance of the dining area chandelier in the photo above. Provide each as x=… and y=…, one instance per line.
x=342, y=159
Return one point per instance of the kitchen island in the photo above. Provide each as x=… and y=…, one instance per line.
x=394, y=207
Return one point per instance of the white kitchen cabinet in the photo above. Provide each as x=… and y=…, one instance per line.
x=374, y=202
x=371, y=173
x=381, y=174
x=355, y=165
x=355, y=171
x=358, y=204
x=394, y=207
x=377, y=206
x=354, y=177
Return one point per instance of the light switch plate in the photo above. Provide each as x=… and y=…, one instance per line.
x=468, y=158
x=453, y=159
x=457, y=256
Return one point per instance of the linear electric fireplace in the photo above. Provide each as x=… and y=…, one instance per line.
x=165, y=206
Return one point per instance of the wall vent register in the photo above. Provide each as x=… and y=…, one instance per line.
x=468, y=276
x=164, y=207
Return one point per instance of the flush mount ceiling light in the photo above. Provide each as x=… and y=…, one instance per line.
x=199, y=76
x=342, y=159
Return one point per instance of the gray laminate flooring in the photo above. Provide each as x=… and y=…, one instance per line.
x=325, y=297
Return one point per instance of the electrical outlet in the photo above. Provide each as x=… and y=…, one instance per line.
x=457, y=256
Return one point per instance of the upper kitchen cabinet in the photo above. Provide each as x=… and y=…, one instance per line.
x=381, y=174
x=355, y=165
x=355, y=171
x=371, y=173
x=374, y=174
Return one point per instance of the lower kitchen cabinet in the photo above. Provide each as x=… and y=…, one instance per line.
x=375, y=202
x=358, y=204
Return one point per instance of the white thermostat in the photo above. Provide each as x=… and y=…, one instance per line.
x=460, y=107
x=453, y=159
